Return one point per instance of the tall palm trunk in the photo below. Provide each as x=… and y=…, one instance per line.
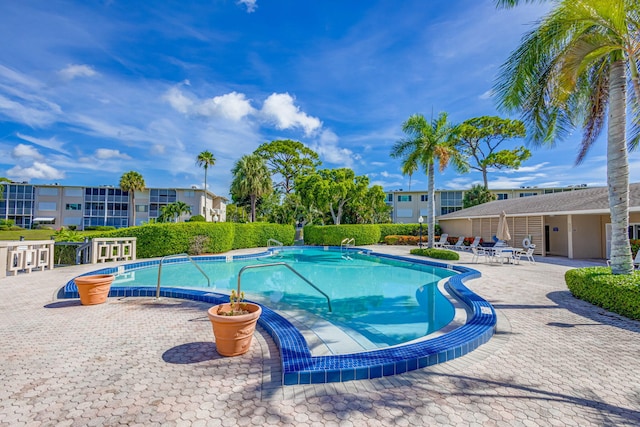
x=431, y=221
x=205, y=195
x=253, y=198
x=618, y=172
x=133, y=207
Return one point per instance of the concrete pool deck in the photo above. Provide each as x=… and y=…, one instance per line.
x=555, y=360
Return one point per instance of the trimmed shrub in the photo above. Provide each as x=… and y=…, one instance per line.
x=256, y=234
x=596, y=285
x=404, y=240
x=197, y=218
x=99, y=228
x=332, y=235
x=436, y=253
x=405, y=230
x=154, y=240
x=160, y=239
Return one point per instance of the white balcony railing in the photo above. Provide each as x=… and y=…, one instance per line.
x=25, y=256
x=105, y=249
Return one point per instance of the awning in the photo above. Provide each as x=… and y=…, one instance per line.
x=44, y=219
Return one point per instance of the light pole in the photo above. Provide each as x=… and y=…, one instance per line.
x=420, y=221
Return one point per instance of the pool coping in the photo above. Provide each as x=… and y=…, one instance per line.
x=299, y=366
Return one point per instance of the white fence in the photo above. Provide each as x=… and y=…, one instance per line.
x=29, y=255
x=25, y=256
x=113, y=249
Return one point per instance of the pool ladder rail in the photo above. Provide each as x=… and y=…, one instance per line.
x=273, y=243
x=347, y=243
x=178, y=256
x=293, y=270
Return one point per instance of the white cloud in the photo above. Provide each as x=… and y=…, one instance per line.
x=38, y=170
x=50, y=143
x=178, y=100
x=107, y=153
x=250, y=4
x=527, y=169
x=486, y=95
x=38, y=113
x=327, y=148
x=234, y=106
x=280, y=109
x=25, y=151
x=72, y=71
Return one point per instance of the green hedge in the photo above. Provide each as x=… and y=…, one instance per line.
x=436, y=253
x=617, y=293
x=405, y=230
x=332, y=235
x=255, y=235
x=154, y=240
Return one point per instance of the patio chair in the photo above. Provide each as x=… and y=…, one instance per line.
x=528, y=253
x=479, y=251
x=474, y=244
x=440, y=243
x=459, y=244
x=502, y=253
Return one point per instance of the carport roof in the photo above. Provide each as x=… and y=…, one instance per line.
x=577, y=202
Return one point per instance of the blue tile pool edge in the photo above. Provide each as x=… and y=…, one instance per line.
x=298, y=365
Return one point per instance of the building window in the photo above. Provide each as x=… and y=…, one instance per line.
x=73, y=207
x=47, y=206
x=528, y=194
x=73, y=192
x=405, y=213
x=142, y=208
x=450, y=201
x=389, y=197
x=189, y=193
x=424, y=197
x=48, y=191
x=502, y=196
x=634, y=231
x=404, y=198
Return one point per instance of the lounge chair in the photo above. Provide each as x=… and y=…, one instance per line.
x=528, y=253
x=479, y=251
x=441, y=242
x=459, y=244
x=474, y=244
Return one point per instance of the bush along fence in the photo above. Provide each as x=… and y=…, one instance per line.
x=364, y=234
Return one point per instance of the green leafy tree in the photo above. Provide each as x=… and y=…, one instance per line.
x=131, y=182
x=427, y=143
x=331, y=189
x=479, y=139
x=288, y=159
x=205, y=159
x=3, y=179
x=573, y=70
x=478, y=195
x=251, y=179
x=173, y=211
x=368, y=207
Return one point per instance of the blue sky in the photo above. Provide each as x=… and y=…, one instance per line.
x=92, y=89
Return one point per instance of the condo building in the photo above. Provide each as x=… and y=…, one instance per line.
x=63, y=206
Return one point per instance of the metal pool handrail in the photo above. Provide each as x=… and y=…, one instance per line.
x=176, y=256
x=274, y=242
x=284, y=264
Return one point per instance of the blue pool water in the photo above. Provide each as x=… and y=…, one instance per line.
x=378, y=302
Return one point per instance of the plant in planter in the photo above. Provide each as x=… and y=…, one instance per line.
x=94, y=289
x=233, y=324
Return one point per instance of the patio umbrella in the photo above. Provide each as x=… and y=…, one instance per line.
x=503, y=228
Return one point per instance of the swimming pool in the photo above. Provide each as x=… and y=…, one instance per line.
x=299, y=365
x=376, y=302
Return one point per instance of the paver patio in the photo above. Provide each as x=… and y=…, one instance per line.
x=555, y=360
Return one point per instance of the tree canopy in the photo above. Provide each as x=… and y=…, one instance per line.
x=289, y=160
x=479, y=139
x=251, y=179
x=132, y=181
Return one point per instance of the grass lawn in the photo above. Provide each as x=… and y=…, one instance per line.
x=35, y=234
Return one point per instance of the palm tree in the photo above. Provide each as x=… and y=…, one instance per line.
x=181, y=208
x=251, y=178
x=569, y=71
x=204, y=160
x=132, y=181
x=425, y=144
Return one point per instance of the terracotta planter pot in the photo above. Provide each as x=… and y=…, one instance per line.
x=94, y=289
x=233, y=333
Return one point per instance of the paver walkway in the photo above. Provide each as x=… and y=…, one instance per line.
x=132, y=361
